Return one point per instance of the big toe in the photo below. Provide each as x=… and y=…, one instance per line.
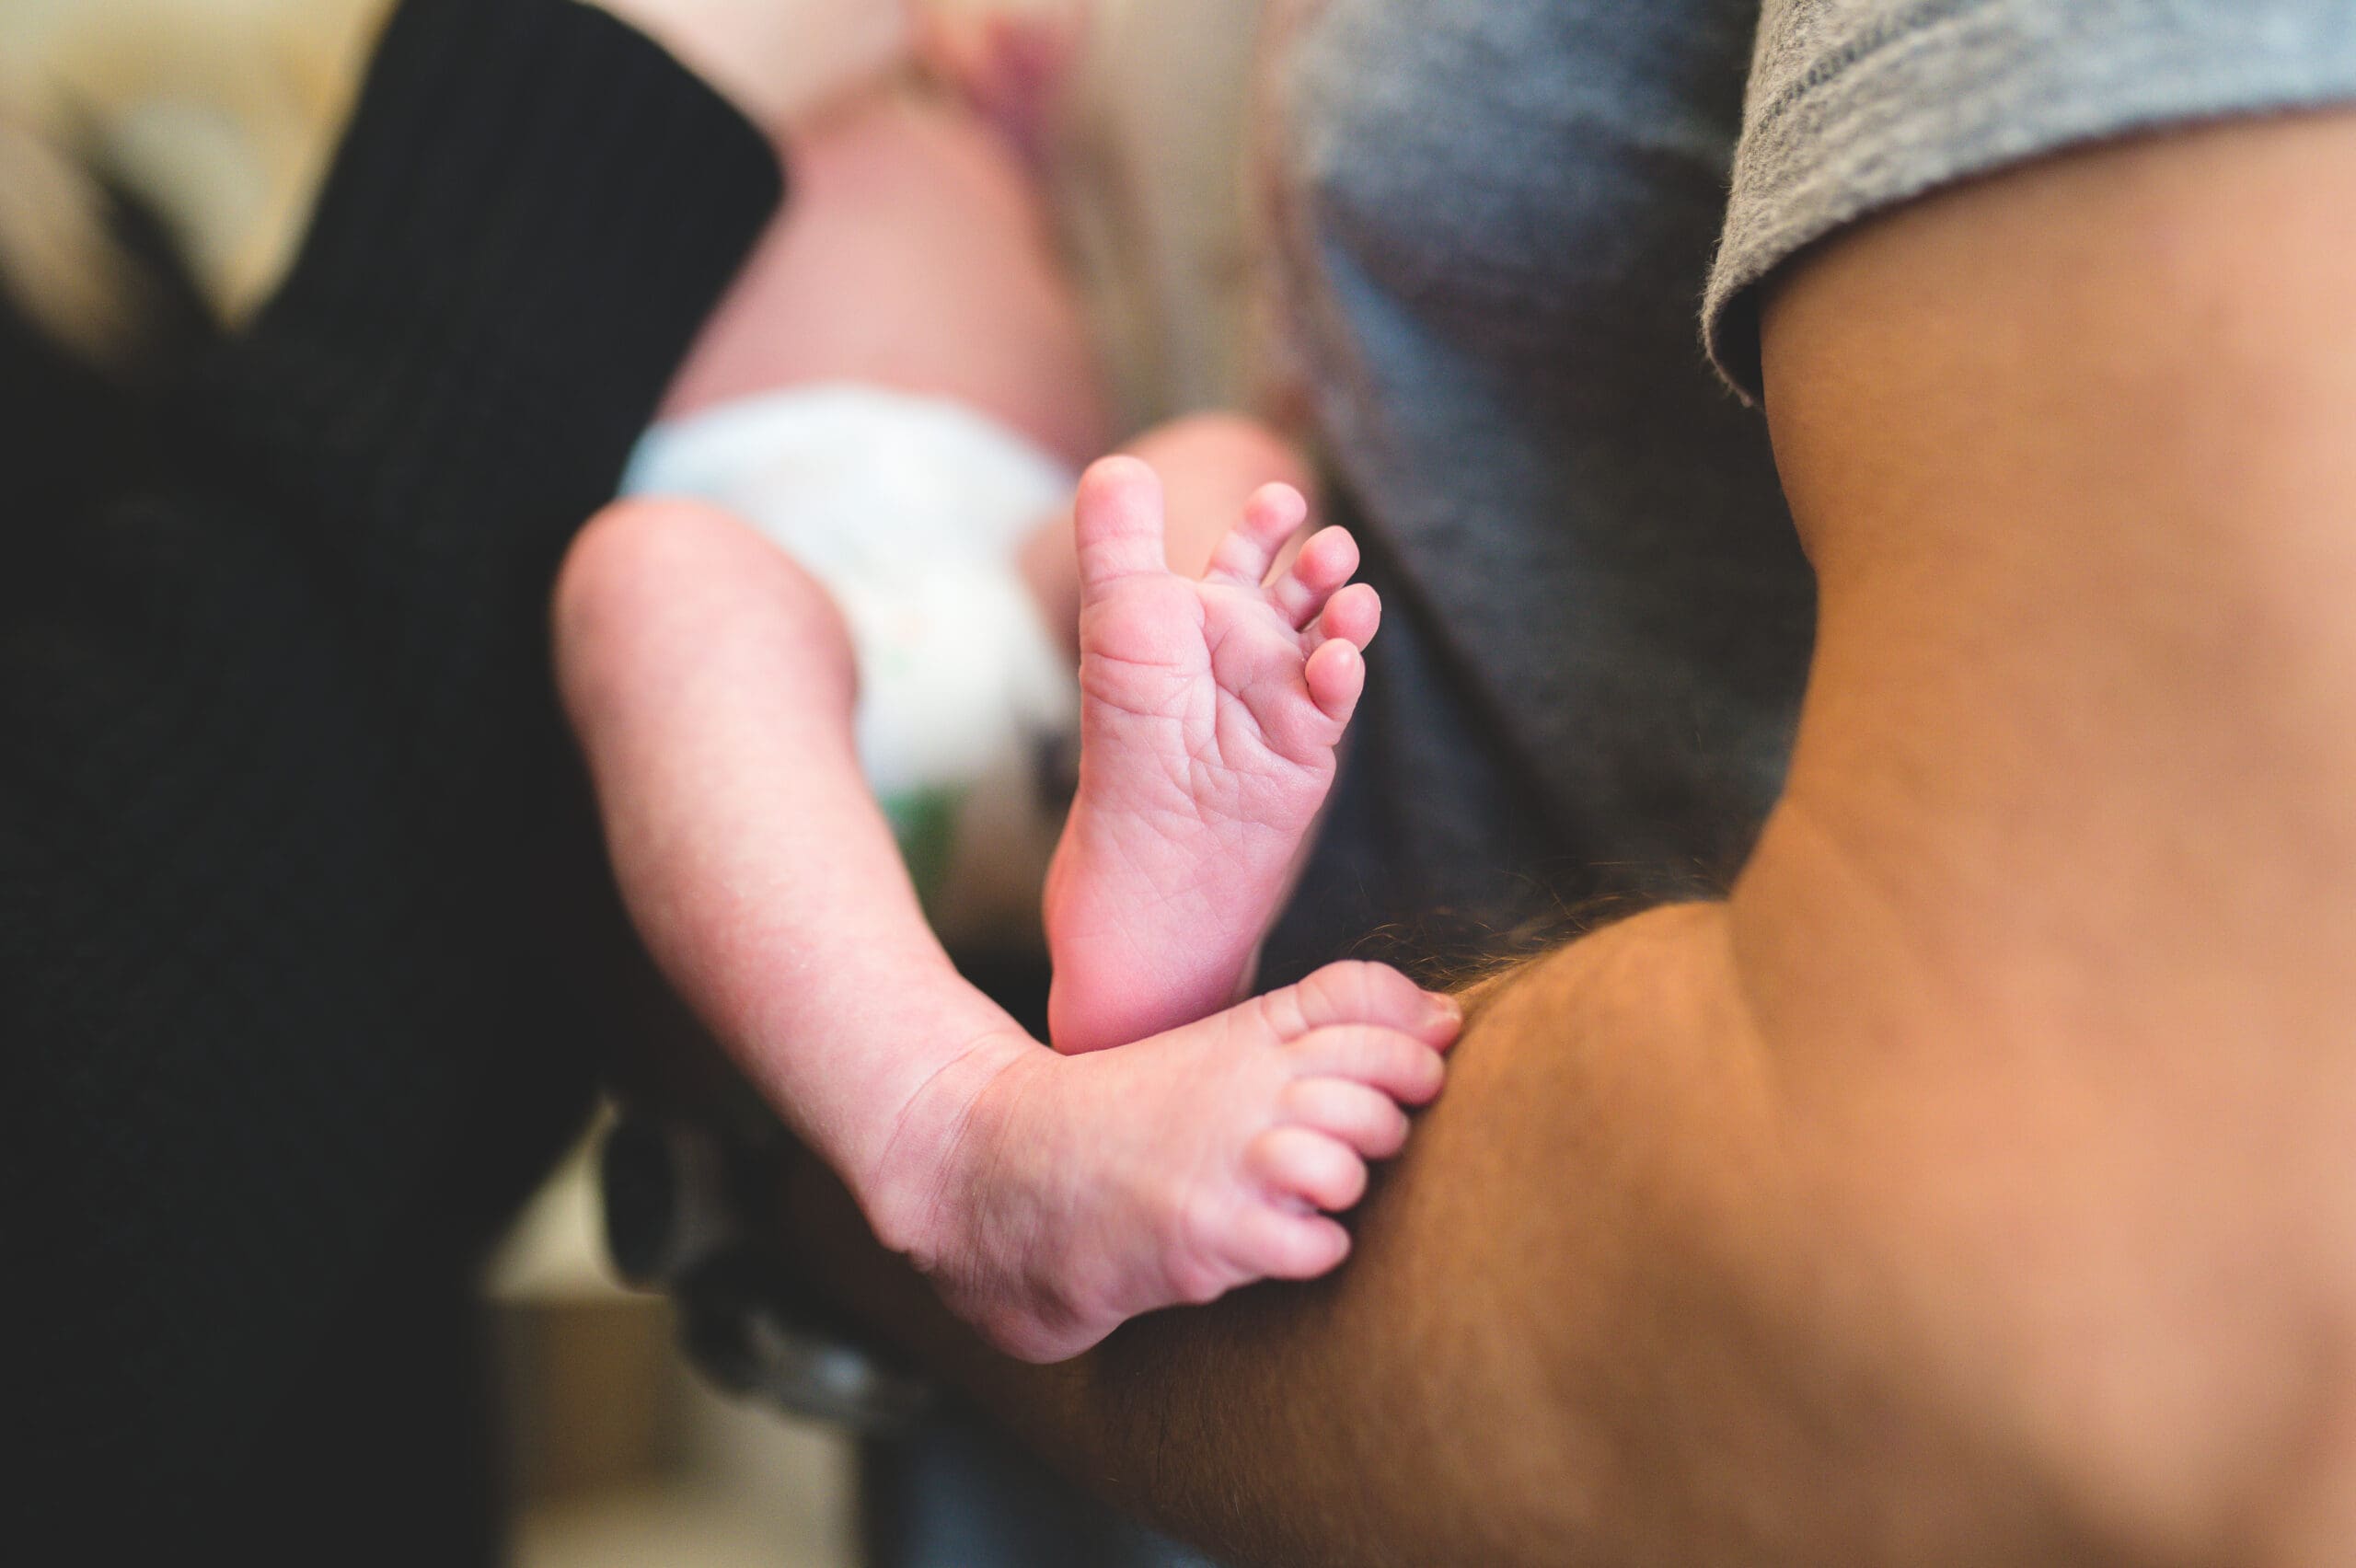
x=1116, y=522
x=1356, y=992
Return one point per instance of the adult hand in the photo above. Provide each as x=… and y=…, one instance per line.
x=777, y=61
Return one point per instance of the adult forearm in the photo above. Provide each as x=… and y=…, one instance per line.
x=1542, y=1288
x=1584, y=1323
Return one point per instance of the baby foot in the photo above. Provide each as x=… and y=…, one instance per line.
x=1209, y=713
x=1061, y=1196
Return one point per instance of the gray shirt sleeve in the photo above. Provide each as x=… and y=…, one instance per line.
x=1856, y=105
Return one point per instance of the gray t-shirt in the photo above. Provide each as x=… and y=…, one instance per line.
x=1495, y=222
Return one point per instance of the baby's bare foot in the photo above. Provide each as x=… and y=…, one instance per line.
x=1209, y=713
x=1052, y=1198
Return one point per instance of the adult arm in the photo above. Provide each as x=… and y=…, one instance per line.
x=1973, y=1185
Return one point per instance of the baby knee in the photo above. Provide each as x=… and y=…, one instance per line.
x=667, y=546
x=642, y=564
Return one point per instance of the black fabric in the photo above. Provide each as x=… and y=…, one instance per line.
x=305, y=947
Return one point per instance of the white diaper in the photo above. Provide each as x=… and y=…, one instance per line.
x=910, y=510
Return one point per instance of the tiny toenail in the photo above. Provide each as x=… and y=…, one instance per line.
x=1445, y=1007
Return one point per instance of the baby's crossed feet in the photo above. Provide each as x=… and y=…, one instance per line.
x=1209, y=714
x=1050, y=1198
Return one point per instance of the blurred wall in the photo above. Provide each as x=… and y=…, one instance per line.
x=219, y=114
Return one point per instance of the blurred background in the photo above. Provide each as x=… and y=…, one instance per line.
x=218, y=117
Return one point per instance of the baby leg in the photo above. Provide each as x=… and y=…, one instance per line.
x=710, y=682
x=898, y=388
x=1048, y=1197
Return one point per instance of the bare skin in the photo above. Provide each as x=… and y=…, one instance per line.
x=778, y=64
x=1048, y=1203
x=1049, y=1198
x=1211, y=708
x=914, y=255
x=1974, y=1185
x=1011, y=65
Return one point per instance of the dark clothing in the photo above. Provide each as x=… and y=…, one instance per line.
x=1493, y=224
x=306, y=946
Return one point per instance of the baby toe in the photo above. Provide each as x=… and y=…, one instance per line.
x=1270, y=1243
x=1363, y=1117
x=1400, y=1065
x=1298, y=1165
x=1271, y=517
x=1324, y=565
x=1352, y=615
x=1356, y=992
x=1335, y=675
x=1117, y=523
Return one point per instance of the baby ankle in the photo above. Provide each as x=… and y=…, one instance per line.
x=909, y=1191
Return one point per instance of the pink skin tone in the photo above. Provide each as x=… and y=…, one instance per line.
x=1049, y=1196
x=1008, y=66
x=1209, y=713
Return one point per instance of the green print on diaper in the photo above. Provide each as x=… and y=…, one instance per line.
x=924, y=824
